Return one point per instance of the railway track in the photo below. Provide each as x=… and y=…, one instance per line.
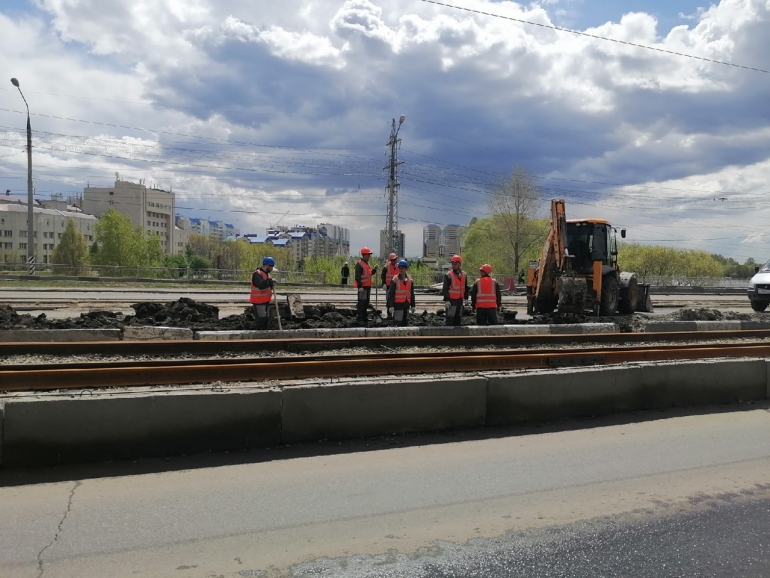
x=310, y=344
x=94, y=375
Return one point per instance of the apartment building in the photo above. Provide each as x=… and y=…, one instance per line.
x=400, y=244
x=150, y=208
x=442, y=243
x=326, y=240
x=50, y=221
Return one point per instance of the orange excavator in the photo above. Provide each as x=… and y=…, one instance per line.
x=578, y=270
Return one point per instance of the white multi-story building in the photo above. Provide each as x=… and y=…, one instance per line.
x=442, y=243
x=150, y=208
x=218, y=229
x=326, y=240
x=400, y=244
x=50, y=220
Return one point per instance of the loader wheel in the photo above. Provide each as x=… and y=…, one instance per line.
x=629, y=297
x=759, y=306
x=610, y=291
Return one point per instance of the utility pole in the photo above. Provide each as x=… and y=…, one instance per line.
x=30, y=195
x=391, y=221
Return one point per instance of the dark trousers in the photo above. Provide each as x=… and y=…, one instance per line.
x=401, y=315
x=344, y=281
x=260, y=312
x=486, y=316
x=454, y=314
x=364, y=294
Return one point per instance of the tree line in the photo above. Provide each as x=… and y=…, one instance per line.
x=508, y=239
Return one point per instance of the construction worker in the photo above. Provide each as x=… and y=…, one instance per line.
x=345, y=273
x=486, y=297
x=400, y=297
x=363, y=282
x=389, y=271
x=262, y=291
x=455, y=291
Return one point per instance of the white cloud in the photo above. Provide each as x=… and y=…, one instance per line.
x=332, y=74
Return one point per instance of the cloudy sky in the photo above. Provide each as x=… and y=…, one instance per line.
x=251, y=109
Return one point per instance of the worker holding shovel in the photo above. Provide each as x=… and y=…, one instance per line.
x=262, y=292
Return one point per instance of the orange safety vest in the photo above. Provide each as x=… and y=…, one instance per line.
x=390, y=272
x=403, y=290
x=456, y=286
x=366, y=276
x=486, y=296
x=260, y=296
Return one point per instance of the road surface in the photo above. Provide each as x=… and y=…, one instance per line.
x=676, y=496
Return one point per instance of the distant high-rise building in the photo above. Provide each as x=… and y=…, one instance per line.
x=400, y=244
x=453, y=240
x=442, y=243
x=431, y=241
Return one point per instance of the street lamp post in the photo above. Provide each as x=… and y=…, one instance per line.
x=30, y=196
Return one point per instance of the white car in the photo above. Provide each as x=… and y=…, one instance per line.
x=759, y=288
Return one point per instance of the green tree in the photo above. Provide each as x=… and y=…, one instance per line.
x=72, y=250
x=514, y=202
x=124, y=245
x=667, y=262
x=485, y=243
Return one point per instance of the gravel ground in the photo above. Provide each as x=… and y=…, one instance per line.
x=54, y=359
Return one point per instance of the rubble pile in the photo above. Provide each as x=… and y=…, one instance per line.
x=188, y=313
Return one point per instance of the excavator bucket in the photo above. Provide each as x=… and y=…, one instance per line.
x=572, y=292
x=645, y=301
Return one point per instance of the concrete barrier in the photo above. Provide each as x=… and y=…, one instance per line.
x=549, y=395
x=39, y=335
x=366, y=408
x=728, y=325
x=49, y=430
x=152, y=333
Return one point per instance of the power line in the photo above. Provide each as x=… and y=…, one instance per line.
x=597, y=37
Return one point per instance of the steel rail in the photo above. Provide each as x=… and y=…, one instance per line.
x=394, y=356
x=302, y=344
x=290, y=368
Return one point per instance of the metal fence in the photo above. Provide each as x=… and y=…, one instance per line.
x=50, y=271
x=665, y=281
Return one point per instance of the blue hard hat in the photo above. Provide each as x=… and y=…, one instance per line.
x=403, y=263
x=268, y=261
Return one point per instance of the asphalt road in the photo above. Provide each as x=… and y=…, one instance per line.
x=678, y=496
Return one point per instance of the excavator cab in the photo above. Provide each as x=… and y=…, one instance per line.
x=589, y=241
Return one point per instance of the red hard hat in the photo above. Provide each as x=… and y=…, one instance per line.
x=366, y=251
x=392, y=256
x=456, y=259
x=487, y=268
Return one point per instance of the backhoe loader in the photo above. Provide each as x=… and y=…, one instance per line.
x=578, y=270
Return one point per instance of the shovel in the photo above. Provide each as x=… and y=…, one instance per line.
x=277, y=312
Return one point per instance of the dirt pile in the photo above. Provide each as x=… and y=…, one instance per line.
x=696, y=314
x=183, y=310
x=11, y=320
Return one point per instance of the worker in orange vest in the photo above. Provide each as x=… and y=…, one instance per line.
x=262, y=291
x=363, y=282
x=486, y=297
x=400, y=297
x=389, y=271
x=455, y=291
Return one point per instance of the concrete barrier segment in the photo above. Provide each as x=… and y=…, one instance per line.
x=669, y=326
x=59, y=335
x=152, y=333
x=717, y=325
x=538, y=396
x=583, y=328
x=755, y=324
x=364, y=408
x=52, y=430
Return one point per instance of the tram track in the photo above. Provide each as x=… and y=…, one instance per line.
x=95, y=375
